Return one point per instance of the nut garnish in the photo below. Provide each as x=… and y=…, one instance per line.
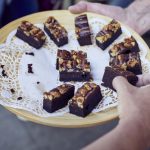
x=30, y=30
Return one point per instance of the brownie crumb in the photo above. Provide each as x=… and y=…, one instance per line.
x=38, y=82
x=2, y=66
x=4, y=73
x=31, y=53
x=30, y=70
x=19, y=98
x=12, y=91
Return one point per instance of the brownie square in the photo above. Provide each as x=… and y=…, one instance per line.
x=129, y=45
x=108, y=34
x=111, y=73
x=73, y=66
x=31, y=34
x=56, y=32
x=58, y=97
x=85, y=99
x=62, y=55
x=82, y=30
x=130, y=62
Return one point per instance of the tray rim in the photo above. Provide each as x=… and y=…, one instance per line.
x=99, y=118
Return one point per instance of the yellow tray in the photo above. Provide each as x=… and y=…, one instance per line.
x=67, y=120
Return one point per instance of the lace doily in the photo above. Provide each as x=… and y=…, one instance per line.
x=19, y=89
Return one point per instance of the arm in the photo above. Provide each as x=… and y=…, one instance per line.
x=136, y=15
x=133, y=130
x=126, y=136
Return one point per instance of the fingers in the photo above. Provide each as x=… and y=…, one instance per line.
x=79, y=7
x=143, y=80
x=122, y=86
x=110, y=11
x=87, y=7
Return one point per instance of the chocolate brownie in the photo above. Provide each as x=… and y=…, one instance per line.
x=130, y=62
x=56, y=32
x=31, y=34
x=110, y=73
x=108, y=34
x=127, y=46
x=85, y=99
x=82, y=30
x=73, y=66
x=58, y=97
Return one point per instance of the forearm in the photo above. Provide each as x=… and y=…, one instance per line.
x=126, y=136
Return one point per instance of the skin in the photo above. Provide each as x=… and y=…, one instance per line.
x=133, y=130
x=136, y=15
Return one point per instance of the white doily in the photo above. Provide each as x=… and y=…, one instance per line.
x=19, y=89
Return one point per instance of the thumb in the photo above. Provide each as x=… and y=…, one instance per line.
x=123, y=87
x=126, y=95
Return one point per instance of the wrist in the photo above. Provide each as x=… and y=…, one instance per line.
x=134, y=128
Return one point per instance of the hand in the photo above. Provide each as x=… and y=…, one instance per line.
x=111, y=11
x=136, y=15
x=134, y=103
x=133, y=130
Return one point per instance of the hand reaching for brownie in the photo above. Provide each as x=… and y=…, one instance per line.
x=136, y=106
x=136, y=15
x=133, y=130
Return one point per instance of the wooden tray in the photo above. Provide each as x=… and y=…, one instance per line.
x=69, y=121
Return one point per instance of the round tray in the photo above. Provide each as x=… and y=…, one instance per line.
x=67, y=120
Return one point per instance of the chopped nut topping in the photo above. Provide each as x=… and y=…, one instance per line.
x=133, y=62
x=126, y=61
x=30, y=30
x=69, y=61
x=57, y=92
x=103, y=38
x=81, y=94
x=63, y=54
x=123, y=47
x=108, y=31
x=50, y=97
x=112, y=26
x=55, y=28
